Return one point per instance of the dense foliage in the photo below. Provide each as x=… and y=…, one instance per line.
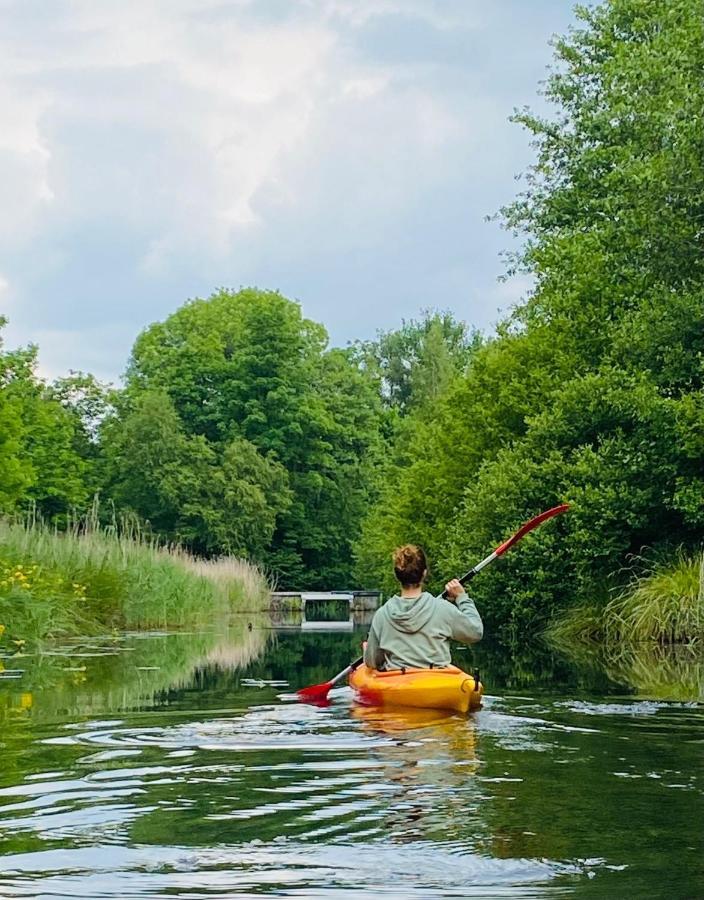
x=239, y=430
x=46, y=456
x=592, y=391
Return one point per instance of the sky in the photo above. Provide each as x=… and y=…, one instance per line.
x=344, y=152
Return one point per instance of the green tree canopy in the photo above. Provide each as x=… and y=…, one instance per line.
x=416, y=363
x=42, y=452
x=591, y=390
x=214, y=498
x=244, y=373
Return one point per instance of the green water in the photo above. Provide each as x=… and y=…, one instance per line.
x=179, y=766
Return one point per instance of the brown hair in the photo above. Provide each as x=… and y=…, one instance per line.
x=409, y=564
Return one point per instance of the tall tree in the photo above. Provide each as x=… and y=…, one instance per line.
x=416, y=362
x=17, y=473
x=42, y=459
x=246, y=370
x=591, y=391
x=214, y=498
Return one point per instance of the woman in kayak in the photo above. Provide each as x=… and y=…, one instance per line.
x=414, y=629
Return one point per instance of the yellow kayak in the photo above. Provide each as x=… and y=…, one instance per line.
x=448, y=688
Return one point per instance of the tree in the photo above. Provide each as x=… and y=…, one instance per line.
x=17, y=473
x=214, y=499
x=89, y=400
x=245, y=370
x=40, y=451
x=591, y=390
x=416, y=362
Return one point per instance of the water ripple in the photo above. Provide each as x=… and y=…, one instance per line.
x=300, y=727
x=333, y=869
x=207, y=794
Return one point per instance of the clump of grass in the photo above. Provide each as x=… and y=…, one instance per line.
x=662, y=603
x=90, y=579
x=238, y=579
x=580, y=624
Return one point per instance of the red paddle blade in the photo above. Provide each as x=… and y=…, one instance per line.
x=529, y=526
x=315, y=693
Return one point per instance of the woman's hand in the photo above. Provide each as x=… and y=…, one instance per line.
x=454, y=589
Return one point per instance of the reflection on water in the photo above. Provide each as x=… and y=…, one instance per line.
x=654, y=671
x=173, y=765
x=391, y=720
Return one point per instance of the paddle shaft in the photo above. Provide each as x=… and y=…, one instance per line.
x=347, y=670
x=475, y=570
x=514, y=539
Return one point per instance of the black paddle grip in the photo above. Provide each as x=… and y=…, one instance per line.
x=468, y=576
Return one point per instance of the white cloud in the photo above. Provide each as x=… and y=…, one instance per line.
x=364, y=87
x=440, y=14
x=150, y=149
x=225, y=100
x=153, y=114
x=24, y=162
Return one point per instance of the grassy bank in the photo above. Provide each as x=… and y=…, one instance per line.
x=87, y=581
x=662, y=604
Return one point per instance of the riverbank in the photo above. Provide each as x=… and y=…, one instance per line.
x=89, y=581
x=662, y=604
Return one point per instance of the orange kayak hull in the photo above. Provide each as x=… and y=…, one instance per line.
x=448, y=688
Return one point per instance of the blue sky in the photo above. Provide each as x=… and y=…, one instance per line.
x=344, y=152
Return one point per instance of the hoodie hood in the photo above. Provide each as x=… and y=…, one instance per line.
x=410, y=616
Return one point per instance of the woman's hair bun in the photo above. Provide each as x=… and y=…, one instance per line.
x=409, y=564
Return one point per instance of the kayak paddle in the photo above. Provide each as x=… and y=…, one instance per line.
x=318, y=692
x=514, y=539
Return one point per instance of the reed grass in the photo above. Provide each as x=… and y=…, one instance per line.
x=662, y=603
x=89, y=579
x=579, y=624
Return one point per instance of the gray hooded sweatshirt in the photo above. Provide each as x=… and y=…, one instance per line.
x=416, y=633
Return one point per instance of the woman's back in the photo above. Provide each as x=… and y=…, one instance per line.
x=415, y=632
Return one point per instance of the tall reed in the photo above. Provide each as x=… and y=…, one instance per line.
x=89, y=579
x=664, y=602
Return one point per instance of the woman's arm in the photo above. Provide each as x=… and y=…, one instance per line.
x=465, y=622
x=467, y=625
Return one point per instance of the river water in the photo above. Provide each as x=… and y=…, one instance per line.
x=144, y=766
